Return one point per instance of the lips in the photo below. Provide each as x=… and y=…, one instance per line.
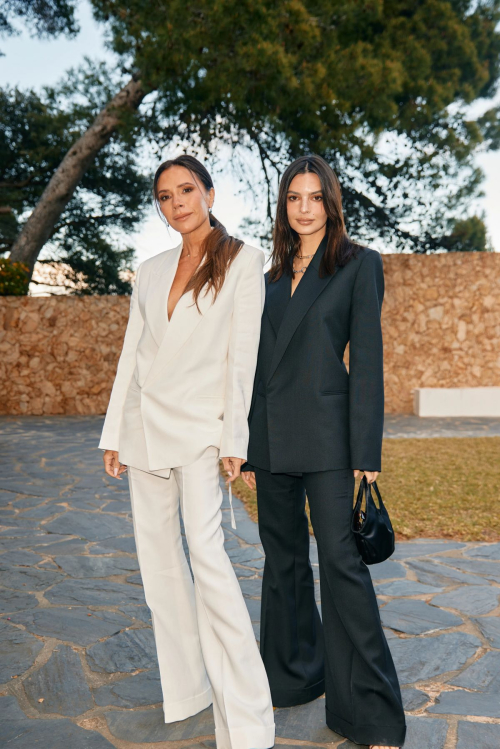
x=181, y=217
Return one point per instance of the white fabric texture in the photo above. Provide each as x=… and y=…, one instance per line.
x=204, y=637
x=184, y=385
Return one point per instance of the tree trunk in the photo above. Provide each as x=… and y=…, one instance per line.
x=63, y=183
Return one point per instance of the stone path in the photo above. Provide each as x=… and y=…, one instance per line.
x=77, y=659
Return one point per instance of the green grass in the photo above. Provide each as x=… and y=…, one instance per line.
x=434, y=488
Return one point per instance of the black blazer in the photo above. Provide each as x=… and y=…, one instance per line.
x=307, y=413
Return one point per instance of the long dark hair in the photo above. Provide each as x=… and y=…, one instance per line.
x=286, y=242
x=219, y=248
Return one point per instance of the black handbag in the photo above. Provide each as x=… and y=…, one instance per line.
x=372, y=526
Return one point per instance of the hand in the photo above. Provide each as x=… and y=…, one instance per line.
x=112, y=465
x=249, y=479
x=371, y=476
x=232, y=467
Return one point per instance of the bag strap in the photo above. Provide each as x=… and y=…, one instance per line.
x=374, y=484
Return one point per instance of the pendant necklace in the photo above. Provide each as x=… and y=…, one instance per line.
x=304, y=267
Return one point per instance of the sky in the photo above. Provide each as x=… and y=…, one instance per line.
x=33, y=63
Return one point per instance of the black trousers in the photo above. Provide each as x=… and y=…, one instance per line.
x=347, y=656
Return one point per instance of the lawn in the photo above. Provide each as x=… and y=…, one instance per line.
x=435, y=488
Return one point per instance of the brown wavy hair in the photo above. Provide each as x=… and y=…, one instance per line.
x=219, y=248
x=286, y=242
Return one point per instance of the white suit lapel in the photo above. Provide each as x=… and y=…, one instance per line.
x=184, y=321
x=159, y=285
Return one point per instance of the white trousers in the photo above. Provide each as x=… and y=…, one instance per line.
x=204, y=637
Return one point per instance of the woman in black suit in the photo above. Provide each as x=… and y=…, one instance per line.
x=313, y=428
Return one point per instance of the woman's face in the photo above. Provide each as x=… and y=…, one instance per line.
x=183, y=199
x=304, y=204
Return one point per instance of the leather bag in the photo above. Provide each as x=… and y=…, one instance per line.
x=372, y=525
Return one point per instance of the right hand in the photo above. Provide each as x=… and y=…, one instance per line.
x=112, y=465
x=249, y=479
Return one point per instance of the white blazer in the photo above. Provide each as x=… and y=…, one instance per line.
x=185, y=385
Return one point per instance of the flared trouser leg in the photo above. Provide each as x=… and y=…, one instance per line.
x=226, y=657
x=170, y=595
x=363, y=699
x=291, y=637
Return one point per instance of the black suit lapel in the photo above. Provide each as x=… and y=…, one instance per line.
x=306, y=293
x=277, y=300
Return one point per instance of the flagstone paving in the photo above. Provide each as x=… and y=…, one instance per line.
x=77, y=658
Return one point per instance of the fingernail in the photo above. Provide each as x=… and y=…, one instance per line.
x=115, y=472
x=229, y=473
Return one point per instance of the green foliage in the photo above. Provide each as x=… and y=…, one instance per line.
x=467, y=235
x=35, y=133
x=14, y=278
x=42, y=17
x=380, y=89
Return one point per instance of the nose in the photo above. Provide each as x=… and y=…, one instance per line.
x=304, y=205
x=177, y=200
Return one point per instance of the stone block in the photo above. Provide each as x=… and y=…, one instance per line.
x=490, y=628
x=96, y=592
x=482, y=675
x=415, y=549
x=13, y=600
x=479, y=735
x=485, y=705
x=18, y=651
x=387, y=570
x=27, y=580
x=78, y=625
x=433, y=573
x=416, y=617
x=305, y=723
x=148, y=726
x=56, y=734
x=489, y=570
x=134, y=691
x=470, y=600
x=485, y=551
x=88, y=567
x=125, y=652
x=86, y=525
x=404, y=588
x=425, y=733
x=61, y=684
x=413, y=699
x=422, y=658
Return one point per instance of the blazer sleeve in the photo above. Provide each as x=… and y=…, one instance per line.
x=242, y=357
x=366, y=368
x=126, y=365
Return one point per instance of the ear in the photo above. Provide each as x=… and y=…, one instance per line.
x=211, y=198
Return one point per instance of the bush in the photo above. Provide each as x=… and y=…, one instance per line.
x=14, y=278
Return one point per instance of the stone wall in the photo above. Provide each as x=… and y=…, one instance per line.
x=441, y=323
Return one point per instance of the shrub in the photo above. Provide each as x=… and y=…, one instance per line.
x=14, y=278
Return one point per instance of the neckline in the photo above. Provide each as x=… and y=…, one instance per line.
x=169, y=318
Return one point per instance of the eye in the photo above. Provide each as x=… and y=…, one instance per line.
x=164, y=198
x=188, y=189
x=292, y=198
x=318, y=198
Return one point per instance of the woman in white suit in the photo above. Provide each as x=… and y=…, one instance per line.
x=180, y=402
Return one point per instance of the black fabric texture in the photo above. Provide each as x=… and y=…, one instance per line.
x=347, y=654
x=308, y=413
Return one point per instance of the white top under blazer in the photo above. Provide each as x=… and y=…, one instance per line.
x=186, y=384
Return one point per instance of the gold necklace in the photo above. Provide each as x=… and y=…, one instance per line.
x=305, y=257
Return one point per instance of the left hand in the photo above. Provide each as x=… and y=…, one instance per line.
x=232, y=467
x=371, y=476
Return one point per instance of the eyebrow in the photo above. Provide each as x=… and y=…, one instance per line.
x=183, y=184
x=315, y=192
